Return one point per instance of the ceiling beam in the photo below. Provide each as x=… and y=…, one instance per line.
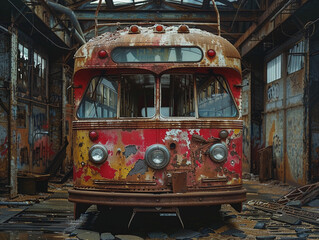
x=258, y=31
x=169, y=15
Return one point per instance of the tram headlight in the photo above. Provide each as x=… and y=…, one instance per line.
x=98, y=154
x=218, y=152
x=157, y=156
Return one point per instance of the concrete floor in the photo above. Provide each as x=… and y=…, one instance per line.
x=52, y=218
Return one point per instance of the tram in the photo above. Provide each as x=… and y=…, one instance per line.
x=157, y=120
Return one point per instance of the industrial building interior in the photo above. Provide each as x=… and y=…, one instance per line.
x=278, y=41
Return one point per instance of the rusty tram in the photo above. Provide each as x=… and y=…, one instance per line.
x=157, y=120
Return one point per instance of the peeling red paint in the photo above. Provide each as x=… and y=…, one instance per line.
x=105, y=137
x=198, y=164
x=79, y=173
x=87, y=178
x=105, y=170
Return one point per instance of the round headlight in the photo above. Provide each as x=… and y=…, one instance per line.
x=218, y=152
x=157, y=156
x=98, y=154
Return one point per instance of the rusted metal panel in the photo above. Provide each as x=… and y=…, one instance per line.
x=296, y=157
x=295, y=88
x=126, y=159
x=265, y=163
x=274, y=137
x=226, y=53
x=230, y=194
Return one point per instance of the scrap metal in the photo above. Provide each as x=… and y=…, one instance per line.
x=272, y=207
x=304, y=194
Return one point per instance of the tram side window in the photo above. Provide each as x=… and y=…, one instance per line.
x=177, y=95
x=214, y=98
x=137, y=95
x=100, y=100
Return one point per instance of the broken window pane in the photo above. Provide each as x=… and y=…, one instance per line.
x=137, y=95
x=296, y=58
x=214, y=98
x=177, y=95
x=39, y=75
x=23, y=68
x=100, y=99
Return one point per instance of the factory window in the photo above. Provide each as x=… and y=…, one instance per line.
x=296, y=57
x=23, y=69
x=274, y=69
x=39, y=75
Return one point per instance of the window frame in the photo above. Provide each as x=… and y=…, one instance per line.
x=157, y=84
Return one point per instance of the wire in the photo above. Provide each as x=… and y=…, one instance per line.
x=64, y=48
x=232, y=24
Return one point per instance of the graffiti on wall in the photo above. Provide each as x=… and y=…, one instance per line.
x=273, y=92
x=277, y=149
x=39, y=138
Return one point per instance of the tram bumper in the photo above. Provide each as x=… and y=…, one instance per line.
x=189, y=199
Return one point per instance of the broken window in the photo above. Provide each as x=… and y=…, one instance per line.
x=100, y=100
x=274, y=69
x=177, y=95
x=296, y=57
x=39, y=75
x=23, y=68
x=137, y=95
x=214, y=98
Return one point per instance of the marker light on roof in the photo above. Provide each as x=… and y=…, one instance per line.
x=183, y=29
x=102, y=54
x=211, y=53
x=159, y=29
x=134, y=29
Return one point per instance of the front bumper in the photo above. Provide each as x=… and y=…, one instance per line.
x=201, y=198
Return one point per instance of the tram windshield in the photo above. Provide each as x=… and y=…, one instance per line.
x=136, y=97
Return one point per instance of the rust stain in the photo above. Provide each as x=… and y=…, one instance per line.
x=271, y=133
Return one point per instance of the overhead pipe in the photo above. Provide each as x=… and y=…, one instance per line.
x=78, y=37
x=67, y=11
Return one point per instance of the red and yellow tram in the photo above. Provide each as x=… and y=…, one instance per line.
x=157, y=120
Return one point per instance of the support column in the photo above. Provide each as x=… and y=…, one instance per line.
x=13, y=116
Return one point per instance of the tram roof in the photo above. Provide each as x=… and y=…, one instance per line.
x=226, y=54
